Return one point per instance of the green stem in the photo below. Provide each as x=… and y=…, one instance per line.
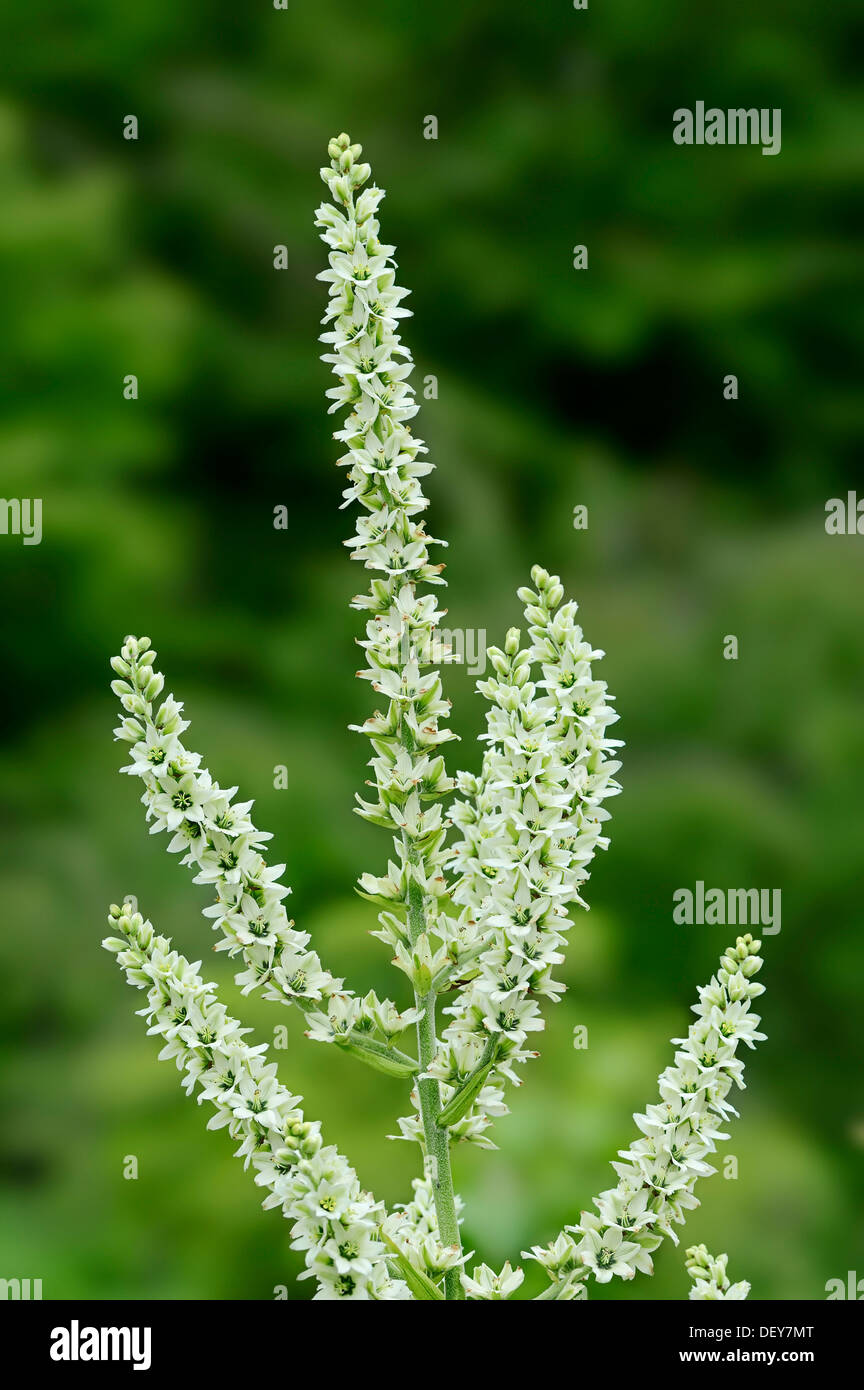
x=437, y=1139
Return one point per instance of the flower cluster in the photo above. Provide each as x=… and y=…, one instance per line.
x=710, y=1281
x=564, y=1267
x=530, y=825
x=412, y=1231
x=660, y=1170
x=334, y=1222
x=220, y=842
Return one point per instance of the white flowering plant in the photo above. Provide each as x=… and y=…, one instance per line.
x=474, y=905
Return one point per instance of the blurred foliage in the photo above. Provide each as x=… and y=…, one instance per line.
x=555, y=388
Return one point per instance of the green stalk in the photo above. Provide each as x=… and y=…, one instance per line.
x=437, y=1139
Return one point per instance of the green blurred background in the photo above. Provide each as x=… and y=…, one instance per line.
x=556, y=387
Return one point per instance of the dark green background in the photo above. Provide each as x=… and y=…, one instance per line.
x=603, y=387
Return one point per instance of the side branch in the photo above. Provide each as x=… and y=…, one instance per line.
x=531, y=823
x=335, y=1223
x=661, y=1169
x=224, y=848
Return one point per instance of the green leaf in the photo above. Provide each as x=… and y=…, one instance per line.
x=461, y=1102
x=388, y=1060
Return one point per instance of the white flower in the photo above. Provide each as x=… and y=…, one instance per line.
x=486, y=1284
x=184, y=798
x=606, y=1252
x=154, y=750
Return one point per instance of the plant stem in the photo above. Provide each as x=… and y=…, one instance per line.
x=437, y=1139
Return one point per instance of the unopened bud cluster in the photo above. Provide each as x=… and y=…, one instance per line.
x=709, y=1280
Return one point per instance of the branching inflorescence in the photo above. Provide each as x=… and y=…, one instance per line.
x=475, y=903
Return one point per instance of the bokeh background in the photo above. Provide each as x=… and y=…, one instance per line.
x=556, y=388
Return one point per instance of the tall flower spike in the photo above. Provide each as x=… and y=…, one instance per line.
x=402, y=645
x=709, y=1280
x=223, y=846
x=335, y=1223
x=661, y=1169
